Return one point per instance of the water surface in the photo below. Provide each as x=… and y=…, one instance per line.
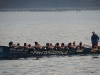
x=50, y=27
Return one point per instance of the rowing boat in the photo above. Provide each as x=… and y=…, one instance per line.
x=10, y=52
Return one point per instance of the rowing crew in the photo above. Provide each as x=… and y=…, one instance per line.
x=48, y=46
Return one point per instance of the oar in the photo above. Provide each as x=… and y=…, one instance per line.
x=98, y=42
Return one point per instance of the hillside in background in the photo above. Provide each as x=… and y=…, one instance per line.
x=31, y=4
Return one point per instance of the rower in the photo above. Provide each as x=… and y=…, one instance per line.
x=30, y=49
x=11, y=44
x=51, y=46
x=56, y=47
x=37, y=46
x=29, y=46
x=80, y=46
x=25, y=46
x=47, y=47
x=62, y=46
x=18, y=45
x=74, y=45
x=70, y=45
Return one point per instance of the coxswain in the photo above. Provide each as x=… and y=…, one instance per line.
x=94, y=39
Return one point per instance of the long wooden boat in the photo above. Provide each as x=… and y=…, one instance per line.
x=9, y=52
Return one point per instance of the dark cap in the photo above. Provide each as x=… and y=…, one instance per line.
x=36, y=42
x=93, y=32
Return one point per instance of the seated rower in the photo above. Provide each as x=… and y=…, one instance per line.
x=29, y=46
x=47, y=47
x=56, y=47
x=18, y=45
x=37, y=46
x=70, y=46
x=25, y=45
x=51, y=46
x=30, y=49
x=11, y=44
x=74, y=45
x=81, y=46
x=62, y=46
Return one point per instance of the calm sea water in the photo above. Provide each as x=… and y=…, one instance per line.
x=51, y=27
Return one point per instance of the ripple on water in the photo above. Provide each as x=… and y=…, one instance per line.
x=61, y=65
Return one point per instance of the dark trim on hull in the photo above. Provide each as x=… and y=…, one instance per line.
x=9, y=52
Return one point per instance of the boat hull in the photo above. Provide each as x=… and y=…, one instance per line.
x=9, y=52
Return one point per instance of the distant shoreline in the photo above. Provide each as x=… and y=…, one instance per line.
x=48, y=9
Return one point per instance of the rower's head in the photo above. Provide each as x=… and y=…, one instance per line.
x=36, y=43
x=74, y=43
x=29, y=45
x=18, y=44
x=80, y=43
x=50, y=44
x=69, y=44
x=47, y=44
x=25, y=44
x=62, y=44
x=10, y=43
x=57, y=44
